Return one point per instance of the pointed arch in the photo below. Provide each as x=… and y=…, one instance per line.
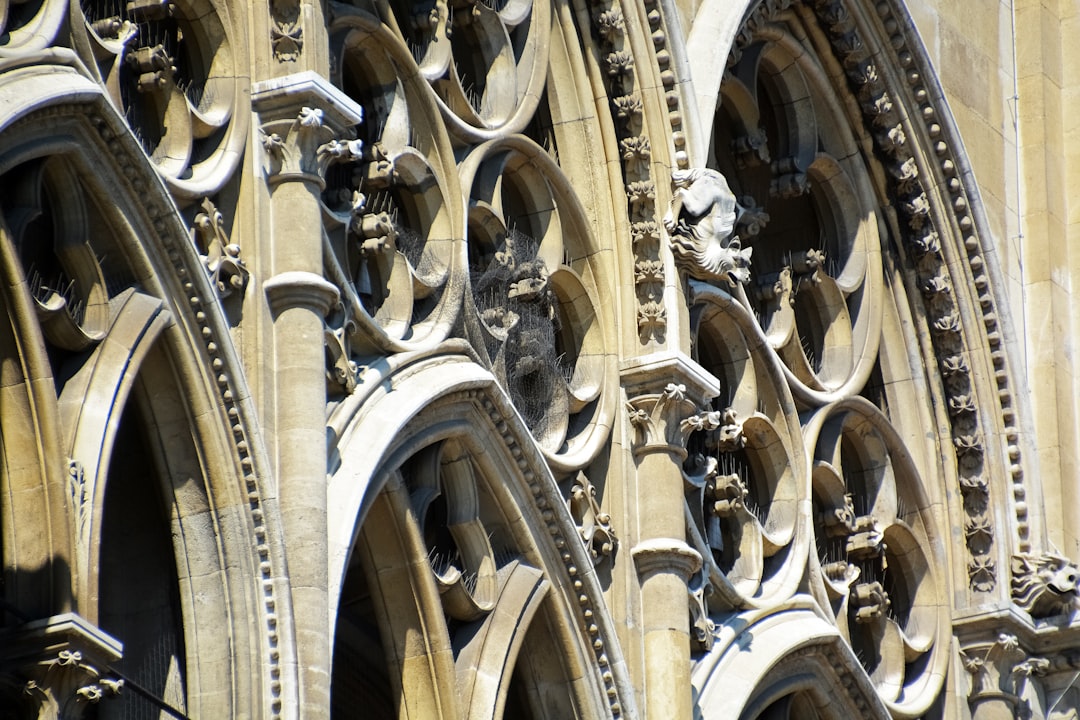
x=432, y=398
x=160, y=343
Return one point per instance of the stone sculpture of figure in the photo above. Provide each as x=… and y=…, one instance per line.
x=701, y=221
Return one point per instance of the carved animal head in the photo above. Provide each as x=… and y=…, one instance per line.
x=1044, y=585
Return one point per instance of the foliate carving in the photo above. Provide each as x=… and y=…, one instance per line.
x=619, y=64
x=594, y=525
x=702, y=628
x=341, y=371
x=1001, y=672
x=307, y=148
x=982, y=573
x=61, y=663
x=664, y=421
x=1044, y=585
x=286, y=30
x=636, y=152
x=701, y=221
x=79, y=493
x=220, y=257
x=627, y=107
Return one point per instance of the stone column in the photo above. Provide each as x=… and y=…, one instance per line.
x=56, y=668
x=306, y=124
x=667, y=393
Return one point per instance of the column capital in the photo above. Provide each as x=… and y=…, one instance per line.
x=306, y=124
x=61, y=663
x=1000, y=673
x=668, y=395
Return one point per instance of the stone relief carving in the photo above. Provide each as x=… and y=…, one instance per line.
x=1045, y=584
x=286, y=30
x=594, y=525
x=701, y=221
x=220, y=257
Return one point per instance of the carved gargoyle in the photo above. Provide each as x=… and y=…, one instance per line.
x=1044, y=585
x=701, y=221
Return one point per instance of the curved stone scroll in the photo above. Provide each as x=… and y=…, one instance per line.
x=171, y=67
x=745, y=500
x=534, y=310
x=487, y=61
x=393, y=215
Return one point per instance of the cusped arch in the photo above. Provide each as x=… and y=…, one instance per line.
x=780, y=652
x=434, y=398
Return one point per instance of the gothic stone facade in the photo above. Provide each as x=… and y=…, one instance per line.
x=570, y=359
